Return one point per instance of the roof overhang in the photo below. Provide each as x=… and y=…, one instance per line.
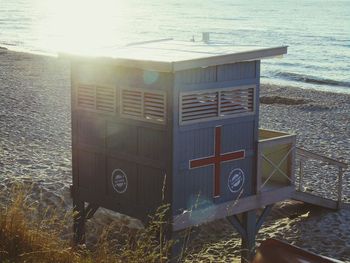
x=190, y=56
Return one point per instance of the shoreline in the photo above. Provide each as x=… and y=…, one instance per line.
x=35, y=149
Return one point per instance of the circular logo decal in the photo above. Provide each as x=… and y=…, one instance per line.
x=235, y=180
x=119, y=181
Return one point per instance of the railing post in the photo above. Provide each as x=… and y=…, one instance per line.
x=340, y=187
x=259, y=168
x=301, y=174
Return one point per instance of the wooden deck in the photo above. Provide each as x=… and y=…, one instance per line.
x=318, y=200
x=275, y=184
x=214, y=212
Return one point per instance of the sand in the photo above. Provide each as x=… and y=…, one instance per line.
x=35, y=149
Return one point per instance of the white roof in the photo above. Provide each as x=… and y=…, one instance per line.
x=171, y=55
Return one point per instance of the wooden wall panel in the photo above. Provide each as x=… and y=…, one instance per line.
x=121, y=138
x=151, y=143
x=150, y=185
x=197, y=140
x=198, y=75
x=87, y=168
x=236, y=71
x=130, y=169
x=91, y=130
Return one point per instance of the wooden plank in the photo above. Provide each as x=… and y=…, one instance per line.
x=291, y=160
x=201, y=216
x=315, y=200
x=265, y=134
x=340, y=186
x=259, y=172
x=262, y=217
x=301, y=174
x=236, y=223
x=286, y=139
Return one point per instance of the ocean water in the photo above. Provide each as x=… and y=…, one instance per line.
x=316, y=31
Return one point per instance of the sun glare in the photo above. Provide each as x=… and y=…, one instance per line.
x=82, y=26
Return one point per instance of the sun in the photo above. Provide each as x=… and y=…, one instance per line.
x=82, y=26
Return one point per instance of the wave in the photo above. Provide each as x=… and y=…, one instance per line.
x=311, y=79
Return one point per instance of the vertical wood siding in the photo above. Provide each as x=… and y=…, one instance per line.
x=148, y=151
x=106, y=142
x=197, y=140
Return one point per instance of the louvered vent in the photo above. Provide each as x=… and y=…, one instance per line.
x=154, y=106
x=236, y=101
x=197, y=106
x=105, y=99
x=131, y=101
x=216, y=104
x=86, y=97
x=98, y=98
x=143, y=105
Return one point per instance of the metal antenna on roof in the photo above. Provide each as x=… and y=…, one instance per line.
x=206, y=37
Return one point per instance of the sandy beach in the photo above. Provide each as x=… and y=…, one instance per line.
x=35, y=148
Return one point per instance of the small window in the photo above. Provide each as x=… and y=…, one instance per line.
x=98, y=98
x=216, y=104
x=143, y=105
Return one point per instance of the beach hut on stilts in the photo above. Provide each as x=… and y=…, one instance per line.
x=178, y=123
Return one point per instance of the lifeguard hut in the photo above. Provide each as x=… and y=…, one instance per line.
x=177, y=122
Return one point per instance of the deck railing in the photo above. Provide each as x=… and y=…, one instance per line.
x=304, y=156
x=276, y=160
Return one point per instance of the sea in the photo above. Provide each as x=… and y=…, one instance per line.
x=316, y=31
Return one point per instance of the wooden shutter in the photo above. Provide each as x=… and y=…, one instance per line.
x=96, y=98
x=236, y=101
x=154, y=106
x=131, y=103
x=143, y=105
x=105, y=99
x=199, y=106
x=86, y=97
x=196, y=106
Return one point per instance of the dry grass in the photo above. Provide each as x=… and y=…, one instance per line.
x=28, y=234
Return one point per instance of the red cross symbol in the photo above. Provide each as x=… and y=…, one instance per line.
x=217, y=159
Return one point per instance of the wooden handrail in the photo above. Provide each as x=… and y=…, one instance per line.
x=310, y=155
x=307, y=155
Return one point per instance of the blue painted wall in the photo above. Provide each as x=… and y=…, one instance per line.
x=147, y=152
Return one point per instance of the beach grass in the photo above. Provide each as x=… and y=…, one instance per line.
x=29, y=234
